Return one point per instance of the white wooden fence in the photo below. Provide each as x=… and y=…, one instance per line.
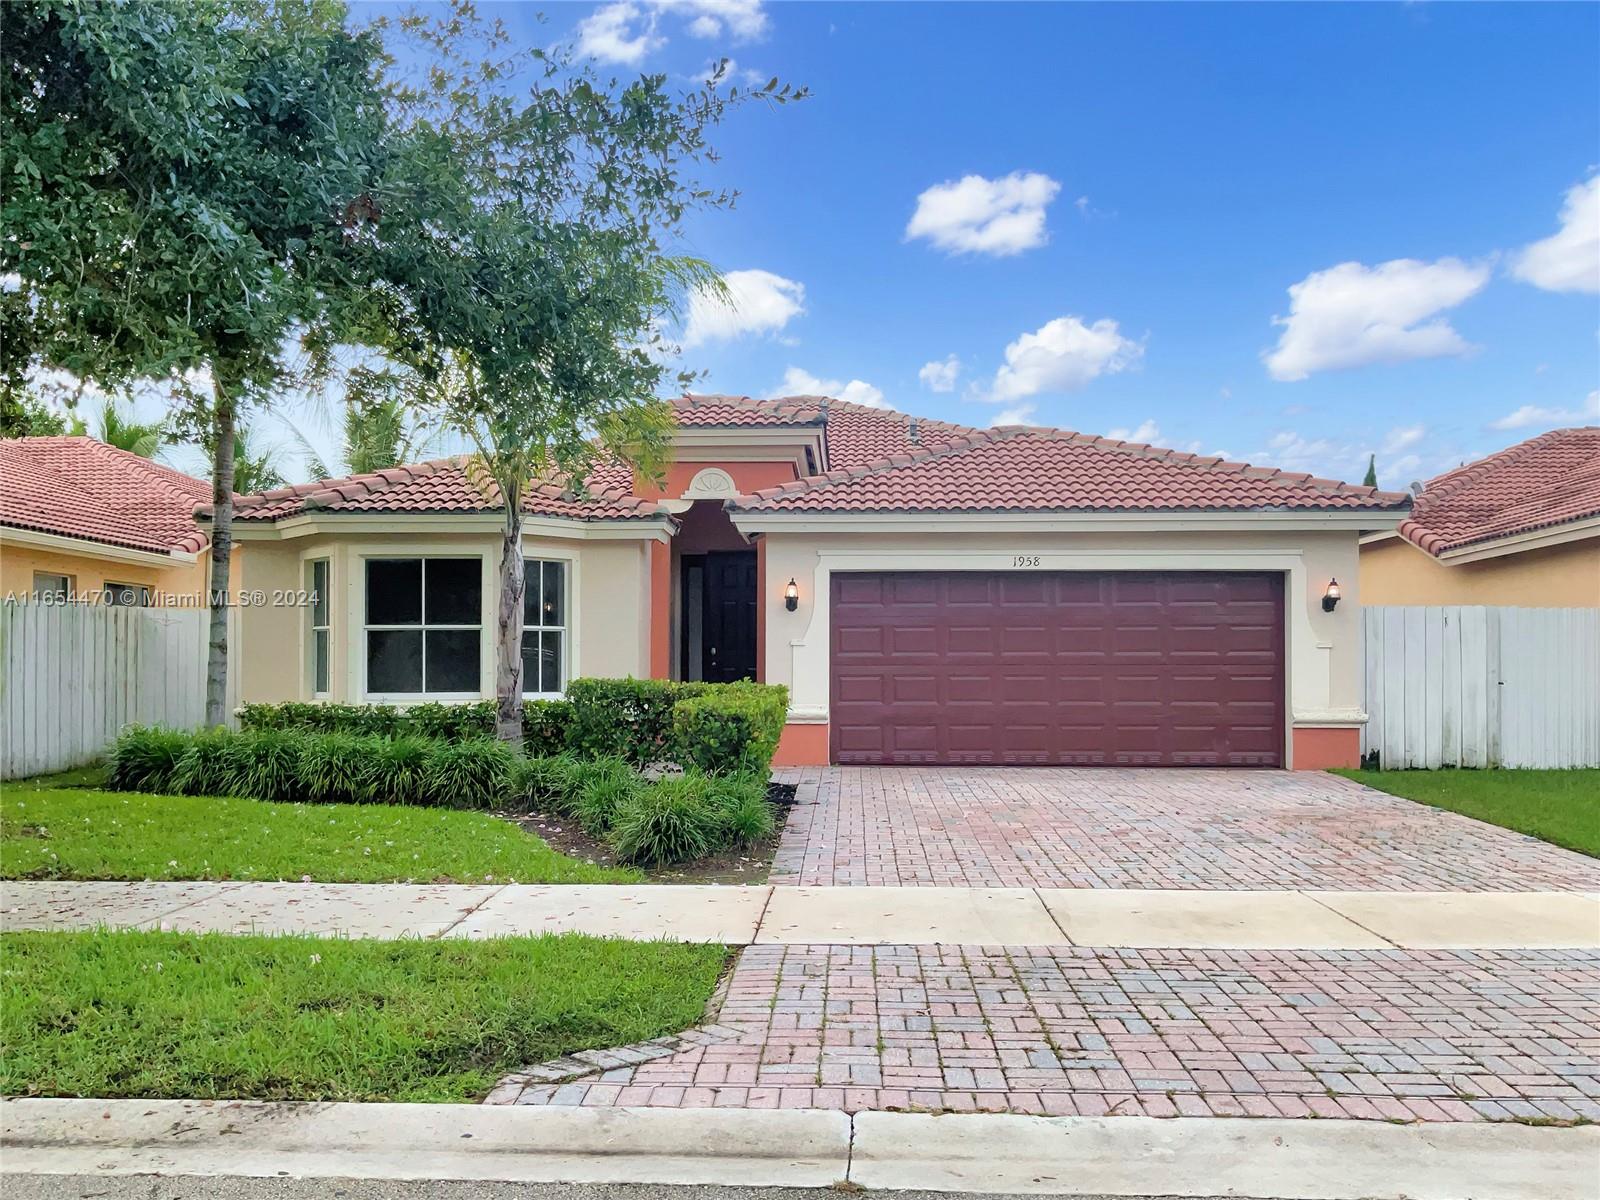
x=1455, y=686
x=75, y=674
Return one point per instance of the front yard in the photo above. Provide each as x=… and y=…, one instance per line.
x=134, y=1014
x=72, y=833
x=1562, y=807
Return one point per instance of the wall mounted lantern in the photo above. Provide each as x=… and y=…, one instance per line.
x=1331, y=597
x=791, y=596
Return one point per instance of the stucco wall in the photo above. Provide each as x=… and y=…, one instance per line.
x=1394, y=571
x=1324, y=649
x=182, y=583
x=608, y=627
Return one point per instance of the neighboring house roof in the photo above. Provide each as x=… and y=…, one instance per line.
x=77, y=487
x=1016, y=469
x=879, y=460
x=1548, y=480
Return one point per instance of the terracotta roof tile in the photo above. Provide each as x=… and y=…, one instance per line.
x=80, y=488
x=1548, y=480
x=440, y=486
x=1041, y=470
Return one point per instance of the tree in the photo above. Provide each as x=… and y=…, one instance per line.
x=376, y=433
x=182, y=185
x=528, y=250
x=1371, y=479
x=119, y=429
x=25, y=415
x=255, y=468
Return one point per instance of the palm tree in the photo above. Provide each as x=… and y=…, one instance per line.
x=375, y=437
x=254, y=470
x=117, y=428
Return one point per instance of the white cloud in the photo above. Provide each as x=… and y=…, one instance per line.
x=940, y=374
x=756, y=302
x=1532, y=414
x=985, y=216
x=799, y=382
x=1569, y=259
x=1062, y=356
x=609, y=34
x=1352, y=315
x=1021, y=414
x=1148, y=431
x=741, y=20
x=1403, y=438
x=1398, y=464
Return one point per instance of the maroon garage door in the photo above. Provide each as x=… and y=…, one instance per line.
x=1119, y=668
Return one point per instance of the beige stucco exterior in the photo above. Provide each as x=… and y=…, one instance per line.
x=1323, y=657
x=172, y=580
x=608, y=602
x=1393, y=571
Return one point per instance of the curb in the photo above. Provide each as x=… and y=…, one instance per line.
x=1019, y=1155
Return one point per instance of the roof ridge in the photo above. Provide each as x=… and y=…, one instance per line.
x=878, y=466
x=1448, y=483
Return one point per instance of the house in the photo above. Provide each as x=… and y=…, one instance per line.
x=929, y=593
x=84, y=521
x=1520, y=528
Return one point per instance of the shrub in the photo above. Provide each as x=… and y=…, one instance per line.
x=476, y=773
x=265, y=764
x=207, y=766
x=669, y=821
x=334, y=767
x=382, y=719
x=450, y=722
x=733, y=729
x=544, y=727
x=741, y=805
x=396, y=771
x=598, y=789
x=145, y=759
x=622, y=718
x=548, y=784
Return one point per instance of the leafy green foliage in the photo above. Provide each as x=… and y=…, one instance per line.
x=625, y=718
x=546, y=784
x=732, y=729
x=145, y=1014
x=544, y=727
x=469, y=774
x=544, y=721
x=602, y=787
x=671, y=821
x=333, y=767
x=145, y=759
x=265, y=764
x=741, y=806
x=78, y=833
x=396, y=770
x=208, y=765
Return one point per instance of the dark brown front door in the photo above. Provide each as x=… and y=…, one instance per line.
x=1109, y=668
x=730, y=616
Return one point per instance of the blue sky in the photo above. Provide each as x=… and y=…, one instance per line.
x=1092, y=216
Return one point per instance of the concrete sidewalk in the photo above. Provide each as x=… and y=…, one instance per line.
x=1200, y=920
x=1122, y=1156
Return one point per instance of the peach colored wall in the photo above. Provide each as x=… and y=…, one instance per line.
x=1394, y=571
x=802, y=746
x=747, y=477
x=660, y=610
x=1319, y=749
x=182, y=584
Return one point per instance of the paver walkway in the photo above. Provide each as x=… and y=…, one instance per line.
x=1386, y=1035
x=1053, y=827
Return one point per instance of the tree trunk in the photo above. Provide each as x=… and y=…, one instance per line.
x=508, y=646
x=222, y=433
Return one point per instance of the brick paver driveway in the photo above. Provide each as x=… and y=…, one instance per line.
x=1111, y=828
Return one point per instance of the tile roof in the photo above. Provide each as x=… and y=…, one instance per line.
x=79, y=488
x=1548, y=480
x=737, y=411
x=442, y=485
x=1017, y=469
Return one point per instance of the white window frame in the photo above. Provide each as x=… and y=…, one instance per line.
x=564, y=629
x=38, y=596
x=141, y=593
x=366, y=628
x=309, y=574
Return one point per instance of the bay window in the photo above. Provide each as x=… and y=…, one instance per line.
x=424, y=626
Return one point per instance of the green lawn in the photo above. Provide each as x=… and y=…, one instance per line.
x=1559, y=806
x=134, y=1014
x=73, y=833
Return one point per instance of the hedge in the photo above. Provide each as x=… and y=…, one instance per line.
x=733, y=730
x=544, y=722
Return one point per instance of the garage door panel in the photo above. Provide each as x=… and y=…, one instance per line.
x=1121, y=668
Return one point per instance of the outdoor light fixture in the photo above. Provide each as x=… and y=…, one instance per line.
x=1330, y=598
x=791, y=596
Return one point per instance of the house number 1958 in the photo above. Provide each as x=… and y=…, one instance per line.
x=1025, y=560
